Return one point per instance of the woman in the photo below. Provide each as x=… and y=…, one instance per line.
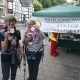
x=9, y=42
x=34, y=52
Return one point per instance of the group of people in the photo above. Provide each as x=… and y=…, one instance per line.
x=32, y=40
x=10, y=41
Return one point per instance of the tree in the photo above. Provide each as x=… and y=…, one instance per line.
x=24, y=18
x=46, y=3
x=75, y=2
x=37, y=5
x=49, y=3
x=40, y=1
x=57, y=2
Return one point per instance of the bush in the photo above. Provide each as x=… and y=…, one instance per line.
x=37, y=5
x=46, y=3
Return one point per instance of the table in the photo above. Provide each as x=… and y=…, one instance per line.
x=70, y=44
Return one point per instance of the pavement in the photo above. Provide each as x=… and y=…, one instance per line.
x=63, y=67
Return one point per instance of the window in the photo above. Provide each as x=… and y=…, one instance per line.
x=17, y=7
x=1, y=1
x=2, y=21
x=2, y=11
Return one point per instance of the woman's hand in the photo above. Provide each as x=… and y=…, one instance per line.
x=4, y=43
x=7, y=33
x=28, y=39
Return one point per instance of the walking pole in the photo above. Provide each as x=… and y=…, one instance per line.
x=24, y=61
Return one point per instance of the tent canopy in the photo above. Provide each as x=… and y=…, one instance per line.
x=63, y=10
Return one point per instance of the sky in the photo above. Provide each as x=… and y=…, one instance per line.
x=69, y=0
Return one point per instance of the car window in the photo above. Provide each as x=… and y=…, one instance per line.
x=2, y=21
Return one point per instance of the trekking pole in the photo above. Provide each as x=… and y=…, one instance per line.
x=24, y=61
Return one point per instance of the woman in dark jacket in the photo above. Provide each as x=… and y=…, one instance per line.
x=9, y=41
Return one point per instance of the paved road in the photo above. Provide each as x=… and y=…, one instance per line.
x=22, y=30
x=63, y=67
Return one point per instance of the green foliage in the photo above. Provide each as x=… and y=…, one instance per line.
x=24, y=18
x=46, y=3
x=40, y=1
x=49, y=3
x=37, y=5
x=77, y=2
x=57, y=2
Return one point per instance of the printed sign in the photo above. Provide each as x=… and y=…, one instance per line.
x=58, y=25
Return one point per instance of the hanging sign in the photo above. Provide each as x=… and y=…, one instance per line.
x=26, y=3
x=58, y=25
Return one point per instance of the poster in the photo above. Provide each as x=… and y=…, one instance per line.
x=58, y=25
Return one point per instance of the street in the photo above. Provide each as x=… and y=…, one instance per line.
x=22, y=30
x=61, y=20
x=63, y=67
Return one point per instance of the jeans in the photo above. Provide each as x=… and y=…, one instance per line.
x=33, y=66
x=6, y=70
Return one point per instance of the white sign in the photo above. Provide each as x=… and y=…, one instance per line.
x=59, y=25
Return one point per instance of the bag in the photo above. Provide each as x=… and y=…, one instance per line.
x=18, y=54
x=31, y=55
x=18, y=50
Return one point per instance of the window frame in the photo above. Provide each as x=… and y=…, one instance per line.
x=2, y=1
x=4, y=11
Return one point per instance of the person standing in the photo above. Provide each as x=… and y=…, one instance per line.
x=33, y=39
x=53, y=38
x=9, y=41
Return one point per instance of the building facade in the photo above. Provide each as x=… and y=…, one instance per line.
x=15, y=8
x=3, y=8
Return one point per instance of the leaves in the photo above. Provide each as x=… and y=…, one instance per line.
x=40, y=4
x=37, y=5
x=46, y=3
x=57, y=2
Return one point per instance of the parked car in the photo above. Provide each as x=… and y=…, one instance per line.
x=2, y=23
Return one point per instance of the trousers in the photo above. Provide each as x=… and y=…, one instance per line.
x=6, y=70
x=33, y=65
